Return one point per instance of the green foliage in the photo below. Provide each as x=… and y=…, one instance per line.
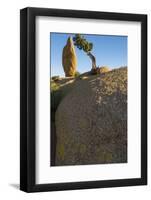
x=54, y=86
x=76, y=74
x=81, y=43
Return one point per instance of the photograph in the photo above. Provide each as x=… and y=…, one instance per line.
x=88, y=87
x=83, y=99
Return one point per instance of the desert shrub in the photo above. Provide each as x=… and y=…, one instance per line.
x=53, y=86
x=54, y=78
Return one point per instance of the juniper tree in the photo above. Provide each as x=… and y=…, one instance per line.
x=81, y=43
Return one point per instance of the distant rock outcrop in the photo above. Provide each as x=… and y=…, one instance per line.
x=91, y=121
x=69, y=60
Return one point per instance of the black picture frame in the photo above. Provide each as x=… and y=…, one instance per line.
x=28, y=98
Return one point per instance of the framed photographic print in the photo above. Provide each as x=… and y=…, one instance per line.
x=83, y=99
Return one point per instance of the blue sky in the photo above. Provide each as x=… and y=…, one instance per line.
x=109, y=51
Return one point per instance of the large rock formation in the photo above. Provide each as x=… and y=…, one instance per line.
x=91, y=121
x=69, y=60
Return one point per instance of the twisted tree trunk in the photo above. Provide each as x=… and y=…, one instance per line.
x=93, y=59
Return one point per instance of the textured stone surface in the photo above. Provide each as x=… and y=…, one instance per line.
x=100, y=70
x=69, y=60
x=103, y=69
x=91, y=121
